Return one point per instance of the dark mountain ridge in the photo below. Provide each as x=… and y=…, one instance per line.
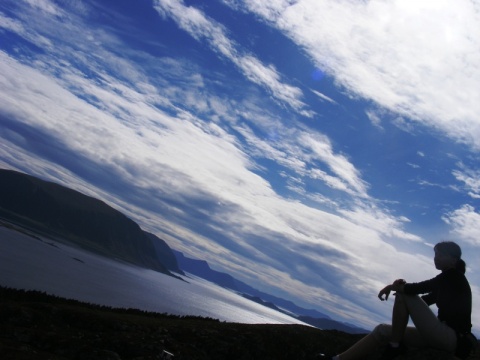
x=87, y=222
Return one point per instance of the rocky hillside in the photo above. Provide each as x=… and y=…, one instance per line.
x=36, y=326
x=88, y=222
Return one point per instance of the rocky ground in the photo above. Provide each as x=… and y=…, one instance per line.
x=40, y=327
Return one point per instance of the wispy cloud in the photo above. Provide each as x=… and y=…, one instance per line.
x=465, y=223
x=384, y=224
x=375, y=118
x=470, y=179
x=323, y=97
x=44, y=6
x=372, y=52
x=201, y=27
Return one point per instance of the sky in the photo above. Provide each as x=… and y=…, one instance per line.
x=314, y=149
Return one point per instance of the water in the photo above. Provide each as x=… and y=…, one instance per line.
x=41, y=264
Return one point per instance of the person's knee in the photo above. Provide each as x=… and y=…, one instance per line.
x=409, y=299
x=382, y=333
x=399, y=297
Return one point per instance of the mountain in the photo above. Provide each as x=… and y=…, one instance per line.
x=315, y=318
x=201, y=269
x=262, y=302
x=164, y=253
x=286, y=305
x=87, y=222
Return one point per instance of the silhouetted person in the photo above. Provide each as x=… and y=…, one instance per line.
x=449, y=331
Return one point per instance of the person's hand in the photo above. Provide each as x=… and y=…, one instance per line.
x=397, y=285
x=385, y=293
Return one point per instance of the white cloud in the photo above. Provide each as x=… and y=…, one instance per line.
x=375, y=118
x=202, y=28
x=471, y=180
x=297, y=150
x=320, y=148
x=465, y=223
x=371, y=217
x=45, y=6
x=323, y=97
x=13, y=25
x=419, y=59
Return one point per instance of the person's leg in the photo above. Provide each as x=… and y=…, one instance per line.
x=428, y=329
x=368, y=344
x=400, y=315
x=361, y=349
x=383, y=334
x=432, y=330
x=396, y=344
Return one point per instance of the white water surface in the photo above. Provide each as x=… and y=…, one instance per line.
x=36, y=263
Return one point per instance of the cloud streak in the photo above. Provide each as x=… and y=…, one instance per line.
x=466, y=224
x=198, y=25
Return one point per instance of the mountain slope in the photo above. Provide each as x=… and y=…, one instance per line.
x=201, y=269
x=164, y=253
x=58, y=211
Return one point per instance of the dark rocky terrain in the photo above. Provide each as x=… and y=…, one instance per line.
x=36, y=326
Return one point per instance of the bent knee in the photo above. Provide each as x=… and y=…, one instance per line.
x=401, y=296
x=382, y=333
x=408, y=299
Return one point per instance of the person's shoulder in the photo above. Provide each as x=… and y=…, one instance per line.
x=451, y=274
x=455, y=276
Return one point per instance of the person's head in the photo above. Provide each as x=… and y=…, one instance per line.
x=448, y=255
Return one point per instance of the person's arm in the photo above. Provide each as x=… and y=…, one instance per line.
x=423, y=287
x=430, y=298
x=397, y=285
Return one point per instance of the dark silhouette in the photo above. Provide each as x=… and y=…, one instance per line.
x=449, y=331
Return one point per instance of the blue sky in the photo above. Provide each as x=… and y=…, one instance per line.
x=313, y=149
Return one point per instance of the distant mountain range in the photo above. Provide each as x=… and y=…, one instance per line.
x=69, y=216
x=313, y=317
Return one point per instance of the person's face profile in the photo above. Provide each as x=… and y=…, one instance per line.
x=443, y=261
